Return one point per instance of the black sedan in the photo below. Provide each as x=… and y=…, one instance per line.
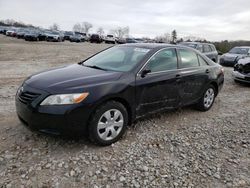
x=31, y=36
x=241, y=71
x=104, y=94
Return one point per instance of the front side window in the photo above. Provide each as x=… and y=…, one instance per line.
x=202, y=61
x=188, y=58
x=164, y=60
x=200, y=48
x=121, y=59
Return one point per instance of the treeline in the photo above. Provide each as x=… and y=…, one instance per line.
x=13, y=23
x=222, y=46
x=225, y=46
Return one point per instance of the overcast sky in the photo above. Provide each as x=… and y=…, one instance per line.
x=210, y=19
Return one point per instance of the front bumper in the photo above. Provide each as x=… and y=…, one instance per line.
x=241, y=77
x=52, y=39
x=30, y=38
x=57, y=120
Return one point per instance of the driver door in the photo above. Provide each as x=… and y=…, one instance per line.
x=158, y=88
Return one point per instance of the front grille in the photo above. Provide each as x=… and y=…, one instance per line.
x=27, y=97
x=246, y=68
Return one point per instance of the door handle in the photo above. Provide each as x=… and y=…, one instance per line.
x=207, y=71
x=178, y=78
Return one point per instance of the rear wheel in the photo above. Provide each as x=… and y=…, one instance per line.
x=108, y=123
x=207, y=100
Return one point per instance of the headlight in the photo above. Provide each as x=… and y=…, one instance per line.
x=64, y=99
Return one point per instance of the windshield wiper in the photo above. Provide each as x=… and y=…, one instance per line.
x=95, y=67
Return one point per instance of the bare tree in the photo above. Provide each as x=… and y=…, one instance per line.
x=100, y=31
x=193, y=38
x=121, y=32
x=55, y=26
x=86, y=26
x=77, y=27
x=165, y=38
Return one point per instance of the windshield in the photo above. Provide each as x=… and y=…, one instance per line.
x=52, y=32
x=120, y=59
x=33, y=32
x=239, y=51
x=69, y=33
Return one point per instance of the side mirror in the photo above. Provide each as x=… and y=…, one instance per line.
x=145, y=72
x=219, y=52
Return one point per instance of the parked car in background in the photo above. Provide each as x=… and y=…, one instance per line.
x=84, y=35
x=32, y=35
x=206, y=48
x=139, y=40
x=102, y=95
x=42, y=35
x=21, y=33
x=4, y=29
x=11, y=32
x=54, y=36
x=131, y=40
x=68, y=34
x=241, y=72
x=110, y=39
x=95, y=38
x=121, y=40
x=236, y=53
x=77, y=38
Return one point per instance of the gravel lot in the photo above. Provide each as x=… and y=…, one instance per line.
x=183, y=148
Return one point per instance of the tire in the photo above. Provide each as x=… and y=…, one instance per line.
x=103, y=129
x=207, y=99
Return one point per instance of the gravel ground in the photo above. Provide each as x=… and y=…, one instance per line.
x=183, y=148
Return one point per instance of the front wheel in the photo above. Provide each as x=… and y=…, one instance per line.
x=207, y=100
x=108, y=123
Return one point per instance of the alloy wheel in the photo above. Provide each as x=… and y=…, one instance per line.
x=209, y=98
x=110, y=124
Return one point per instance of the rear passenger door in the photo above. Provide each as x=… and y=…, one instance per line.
x=193, y=76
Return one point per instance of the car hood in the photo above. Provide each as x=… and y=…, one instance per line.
x=51, y=35
x=244, y=61
x=32, y=35
x=71, y=78
x=76, y=37
x=230, y=56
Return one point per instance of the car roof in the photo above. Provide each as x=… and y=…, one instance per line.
x=242, y=47
x=148, y=45
x=196, y=43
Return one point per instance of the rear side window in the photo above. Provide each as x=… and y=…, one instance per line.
x=212, y=47
x=202, y=61
x=188, y=58
x=207, y=48
x=163, y=60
